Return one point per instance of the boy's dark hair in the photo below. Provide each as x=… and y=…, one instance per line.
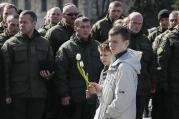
x=120, y=30
x=81, y=19
x=104, y=47
x=30, y=13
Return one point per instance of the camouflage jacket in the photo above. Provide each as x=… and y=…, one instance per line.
x=1, y=27
x=155, y=33
x=168, y=57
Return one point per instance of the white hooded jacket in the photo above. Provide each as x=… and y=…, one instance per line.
x=118, y=97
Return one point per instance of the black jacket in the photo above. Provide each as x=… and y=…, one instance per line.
x=24, y=59
x=69, y=81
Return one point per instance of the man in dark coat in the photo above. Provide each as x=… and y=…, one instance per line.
x=140, y=42
x=70, y=83
x=101, y=28
x=27, y=66
x=54, y=16
x=64, y=29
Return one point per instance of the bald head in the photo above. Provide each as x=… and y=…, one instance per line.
x=173, y=16
x=136, y=15
x=70, y=13
x=69, y=7
x=54, y=15
x=135, y=21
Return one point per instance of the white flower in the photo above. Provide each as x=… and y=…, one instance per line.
x=78, y=56
x=81, y=64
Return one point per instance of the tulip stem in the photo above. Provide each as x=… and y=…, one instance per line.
x=83, y=74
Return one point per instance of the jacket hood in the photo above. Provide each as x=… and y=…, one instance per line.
x=132, y=58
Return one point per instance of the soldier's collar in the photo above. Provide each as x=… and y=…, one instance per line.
x=81, y=40
x=35, y=33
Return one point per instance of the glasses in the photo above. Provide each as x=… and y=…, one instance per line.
x=173, y=20
x=72, y=14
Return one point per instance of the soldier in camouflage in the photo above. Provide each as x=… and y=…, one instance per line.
x=159, y=97
x=163, y=22
x=168, y=60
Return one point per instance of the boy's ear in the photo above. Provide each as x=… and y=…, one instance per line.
x=127, y=42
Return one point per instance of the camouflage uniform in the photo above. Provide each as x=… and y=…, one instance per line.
x=1, y=27
x=155, y=33
x=159, y=99
x=168, y=56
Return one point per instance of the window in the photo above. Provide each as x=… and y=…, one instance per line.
x=27, y=4
x=60, y=3
x=43, y=5
x=15, y=2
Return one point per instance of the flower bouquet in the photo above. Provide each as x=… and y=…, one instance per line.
x=80, y=66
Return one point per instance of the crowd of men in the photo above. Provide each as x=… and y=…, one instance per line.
x=39, y=78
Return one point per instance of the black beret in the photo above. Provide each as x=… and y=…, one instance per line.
x=163, y=14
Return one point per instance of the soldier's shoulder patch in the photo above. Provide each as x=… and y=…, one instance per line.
x=151, y=30
x=159, y=50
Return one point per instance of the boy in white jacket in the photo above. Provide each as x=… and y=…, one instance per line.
x=118, y=92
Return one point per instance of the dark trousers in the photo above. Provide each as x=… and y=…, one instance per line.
x=174, y=106
x=28, y=108
x=140, y=104
x=5, y=109
x=53, y=109
x=80, y=110
x=146, y=108
x=161, y=105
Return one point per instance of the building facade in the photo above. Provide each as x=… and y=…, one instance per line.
x=94, y=9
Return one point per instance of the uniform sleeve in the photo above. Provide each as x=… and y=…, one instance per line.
x=125, y=92
x=95, y=32
x=148, y=62
x=50, y=58
x=42, y=31
x=163, y=54
x=7, y=60
x=1, y=67
x=61, y=70
x=50, y=36
x=151, y=37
